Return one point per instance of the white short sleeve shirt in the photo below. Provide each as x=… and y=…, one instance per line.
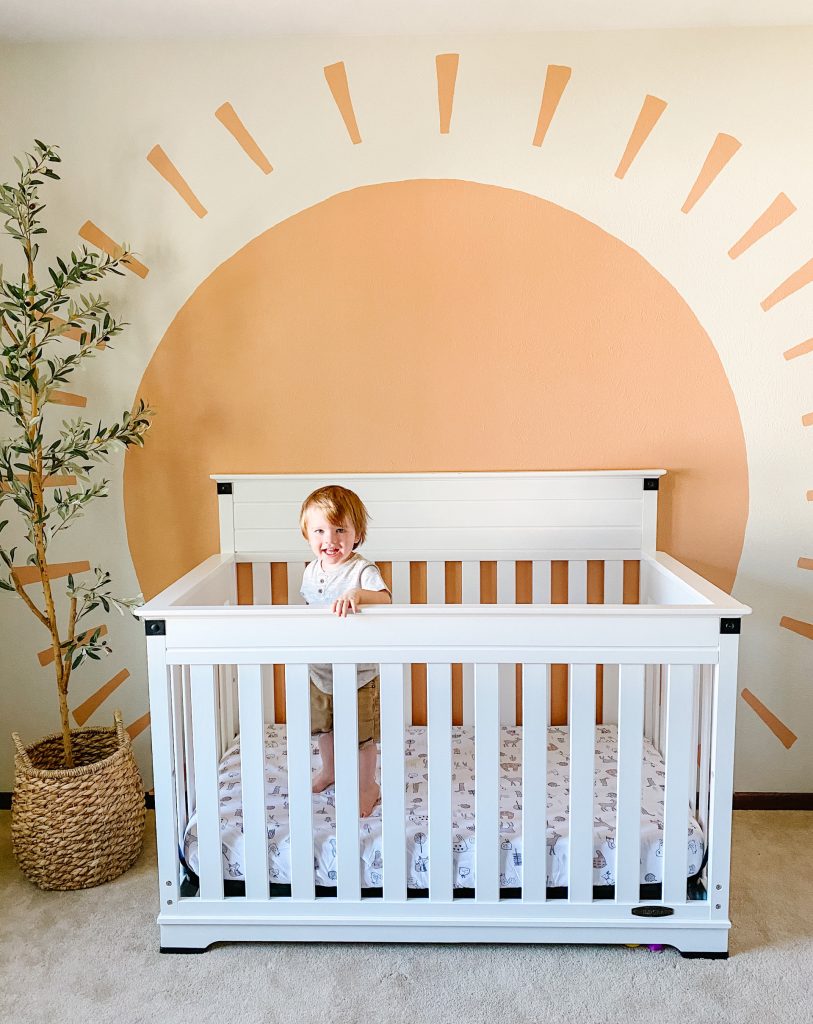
x=321, y=587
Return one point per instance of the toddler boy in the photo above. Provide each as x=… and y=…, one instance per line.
x=334, y=522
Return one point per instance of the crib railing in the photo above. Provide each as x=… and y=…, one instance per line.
x=681, y=706
x=579, y=581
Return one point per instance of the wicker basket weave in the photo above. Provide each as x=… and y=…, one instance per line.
x=77, y=827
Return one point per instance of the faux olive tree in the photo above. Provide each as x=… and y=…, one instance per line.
x=48, y=329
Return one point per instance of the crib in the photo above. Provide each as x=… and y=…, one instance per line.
x=557, y=723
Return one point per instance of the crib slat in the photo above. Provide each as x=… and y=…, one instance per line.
x=400, y=583
x=613, y=582
x=436, y=583
x=470, y=594
x=189, y=746
x=534, y=782
x=540, y=582
x=695, y=738
x=393, y=679
x=630, y=763
x=576, y=582
x=507, y=594
x=705, y=745
x=300, y=798
x=678, y=729
x=581, y=716
x=345, y=739
x=261, y=582
x=252, y=777
x=177, y=738
x=439, y=745
x=294, y=572
x=486, y=794
x=204, y=727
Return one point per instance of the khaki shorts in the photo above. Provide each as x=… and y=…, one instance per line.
x=368, y=711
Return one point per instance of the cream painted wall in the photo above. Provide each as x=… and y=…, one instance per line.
x=108, y=105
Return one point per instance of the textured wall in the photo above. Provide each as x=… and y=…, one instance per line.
x=559, y=251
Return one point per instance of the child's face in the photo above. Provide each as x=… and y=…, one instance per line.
x=330, y=543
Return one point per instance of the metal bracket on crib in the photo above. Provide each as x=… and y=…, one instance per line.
x=730, y=625
x=651, y=483
x=155, y=627
x=224, y=487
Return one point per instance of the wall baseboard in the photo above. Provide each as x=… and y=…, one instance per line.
x=742, y=801
x=773, y=801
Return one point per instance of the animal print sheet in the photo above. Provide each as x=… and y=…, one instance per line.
x=463, y=823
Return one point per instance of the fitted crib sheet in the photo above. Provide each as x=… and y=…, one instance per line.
x=463, y=818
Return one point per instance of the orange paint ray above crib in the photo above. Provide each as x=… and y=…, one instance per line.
x=46, y=657
x=67, y=398
x=446, y=65
x=798, y=279
x=158, y=159
x=228, y=117
x=722, y=150
x=27, y=574
x=138, y=726
x=336, y=77
x=93, y=234
x=647, y=119
x=777, y=727
x=779, y=210
x=807, y=419
x=805, y=563
x=83, y=712
x=556, y=78
x=799, y=350
x=804, y=629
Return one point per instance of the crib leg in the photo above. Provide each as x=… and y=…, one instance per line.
x=183, y=949
x=698, y=955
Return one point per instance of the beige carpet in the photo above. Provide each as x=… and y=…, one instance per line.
x=93, y=957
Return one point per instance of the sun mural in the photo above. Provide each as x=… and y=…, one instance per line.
x=433, y=324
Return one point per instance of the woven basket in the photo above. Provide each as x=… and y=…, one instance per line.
x=73, y=828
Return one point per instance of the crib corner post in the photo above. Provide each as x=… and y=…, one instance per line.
x=161, y=729
x=724, y=709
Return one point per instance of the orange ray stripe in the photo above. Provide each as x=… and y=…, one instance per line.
x=647, y=119
x=48, y=481
x=66, y=398
x=804, y=629
x=778, y=728
x=97, y=237
x=809, y=495
x=807, y=419
x=170, y=173
x=227, y=116
x=724, y=147
x=446, y=67
x=138, y=726
x=805, y=563
x=95, y=700
x=336, y=76
x=27, y=574
x=47, y=656
x=799, y=350
x=779, y=210
x=797, y=280
x=556, y=78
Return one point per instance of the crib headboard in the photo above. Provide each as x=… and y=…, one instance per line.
x=453, y=516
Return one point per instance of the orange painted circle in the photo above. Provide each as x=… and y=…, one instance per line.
x=435, y=325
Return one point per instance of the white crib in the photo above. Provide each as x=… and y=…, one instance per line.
x=541, y=599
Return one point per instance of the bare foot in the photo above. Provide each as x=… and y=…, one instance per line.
x=321, y=782
x=368, y=798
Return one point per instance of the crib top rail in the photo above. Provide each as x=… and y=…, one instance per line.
x=573, y=516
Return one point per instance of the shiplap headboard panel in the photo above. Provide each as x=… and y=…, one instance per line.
x=453, y=516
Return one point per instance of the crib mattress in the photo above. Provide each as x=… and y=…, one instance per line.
x=463, y=818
